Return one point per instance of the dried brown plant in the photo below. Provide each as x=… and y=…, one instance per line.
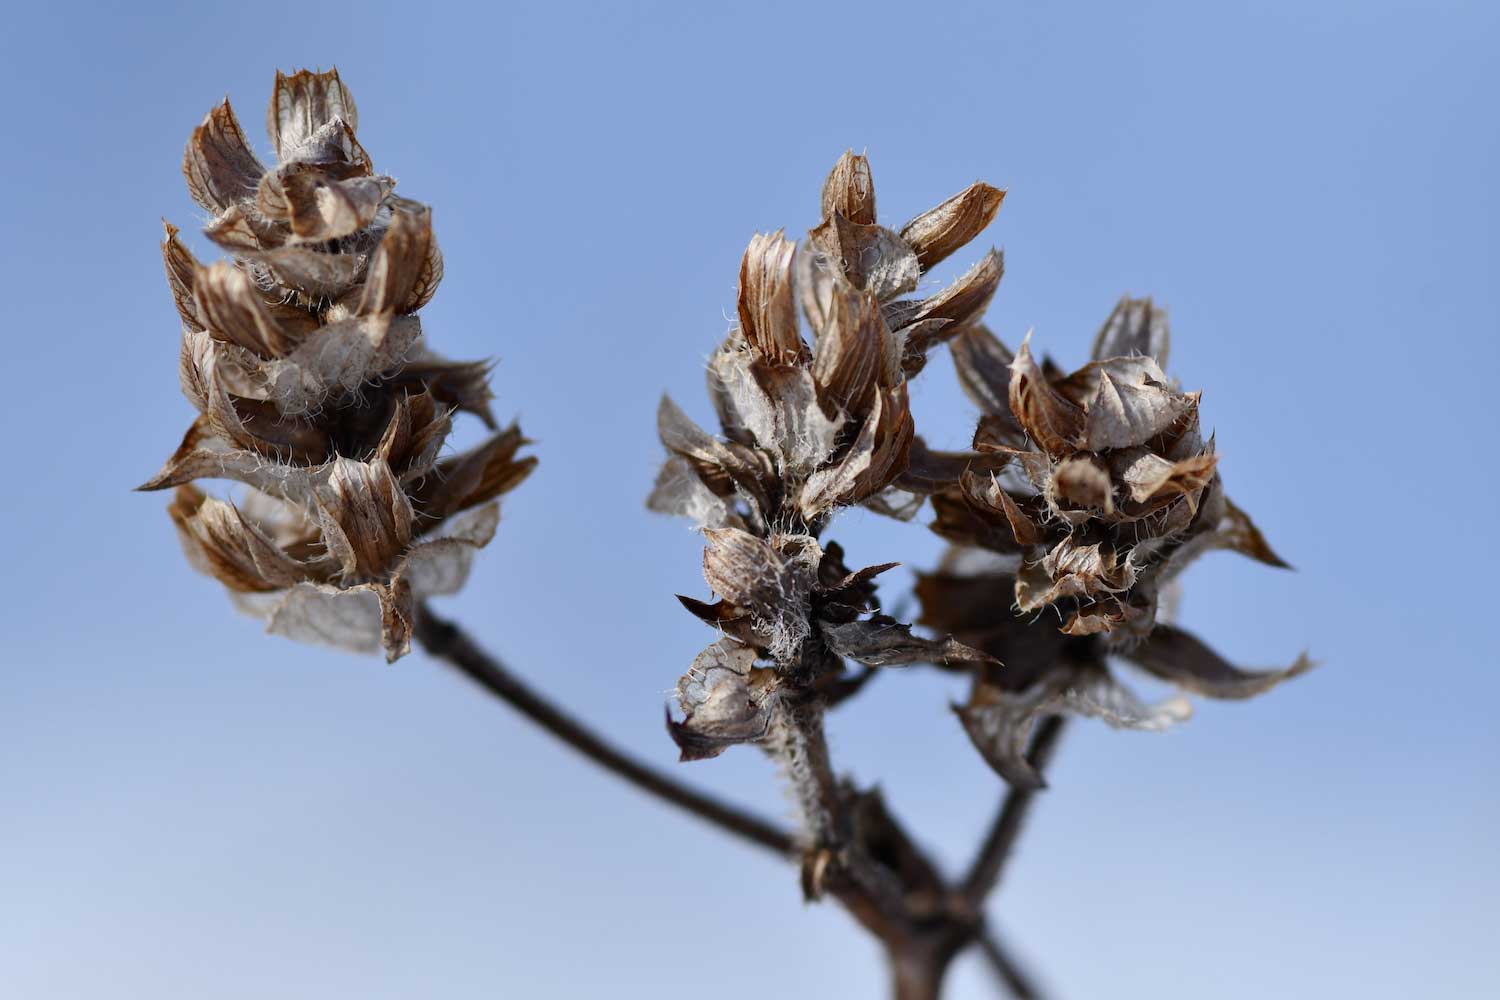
x=303, y=356
x=1098, y=490
x=1082, y=499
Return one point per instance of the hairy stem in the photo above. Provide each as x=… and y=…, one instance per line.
x=443, y=640
x=989, y=864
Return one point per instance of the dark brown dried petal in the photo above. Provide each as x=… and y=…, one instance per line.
x=1052, y=420
x=365, y=518
x=232, y=309
x=938, y=232
x=1239, y=533
x=222, y=543
x=401, y=276
x=181, y=266
x=849, y=190
x=964, y=301
x=1181, y=658
x=848, y=352
x=767, y=309
x=458, y=385
x=218, y=163
x=987, y=495
x=414, y=435
x=471, y=477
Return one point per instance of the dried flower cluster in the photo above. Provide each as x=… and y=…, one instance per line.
x=303, y=355
x=1085, y=494
x=806, y=430
x=1098, y=491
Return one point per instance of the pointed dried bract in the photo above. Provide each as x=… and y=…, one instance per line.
x=303, y=355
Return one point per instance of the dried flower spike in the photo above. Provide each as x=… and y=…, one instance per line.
x=1100, y=490
x=303, y=356
x=808, y=429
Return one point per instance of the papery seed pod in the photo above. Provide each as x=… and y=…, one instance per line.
x=303, y=355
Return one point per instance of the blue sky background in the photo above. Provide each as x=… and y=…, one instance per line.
x=191, y=809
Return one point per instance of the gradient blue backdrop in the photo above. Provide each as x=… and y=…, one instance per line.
x=192, y=810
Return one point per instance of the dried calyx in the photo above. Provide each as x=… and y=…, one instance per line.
x=1096, y=491
x=806, y=429
x=303, y=355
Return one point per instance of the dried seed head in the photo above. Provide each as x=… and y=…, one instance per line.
x=1100, y=491
x=303, y=355
x=808, y=428
x=1101, y=483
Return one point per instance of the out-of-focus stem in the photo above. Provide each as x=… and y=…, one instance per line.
x=443, y=640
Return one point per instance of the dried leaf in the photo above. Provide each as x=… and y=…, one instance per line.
x=1239, y=533
x=1181, y=658
x=882, y=641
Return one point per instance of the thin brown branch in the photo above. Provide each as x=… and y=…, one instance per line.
x=443, y=640
x=1005, y=966
x=989, y=864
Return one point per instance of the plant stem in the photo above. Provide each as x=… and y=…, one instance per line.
x=1006, y=967
x=989, y=864
x=443, y=640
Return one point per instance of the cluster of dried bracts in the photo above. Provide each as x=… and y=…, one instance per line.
x=1083, y=496
x=303, y=355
